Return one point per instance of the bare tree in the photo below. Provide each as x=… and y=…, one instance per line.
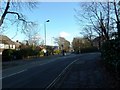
x=100, y=15
x=88, y=33
x=76, y=45
x=63, y=43
x=33, y=36
x=13, y=8
x=79, y=43
x=117, y=14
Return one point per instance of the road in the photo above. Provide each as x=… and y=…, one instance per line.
x=36, y=74
x=86, y=71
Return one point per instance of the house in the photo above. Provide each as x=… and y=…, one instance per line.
x=17, y=45
x=6, y=43
x=55, y=47
x=97, y=42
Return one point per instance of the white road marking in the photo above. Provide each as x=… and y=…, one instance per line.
x=54, y=81
x=39, y=64
x=14, y=74
x=24, y=70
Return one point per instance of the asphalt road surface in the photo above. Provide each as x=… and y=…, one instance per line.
x=86, y=72
x=36, y=74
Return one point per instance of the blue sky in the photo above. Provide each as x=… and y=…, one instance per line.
x=62, y=21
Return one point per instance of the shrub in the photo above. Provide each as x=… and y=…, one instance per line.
x=23, y=53
x=76, y=51
x=7, y=54
x=57, y=51
x=18, y=54
x=89, y=49
x=40, y=53
x=36, y=52
x=110, y=51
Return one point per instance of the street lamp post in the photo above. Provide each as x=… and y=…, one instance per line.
x=45, y=30
x=45, y=51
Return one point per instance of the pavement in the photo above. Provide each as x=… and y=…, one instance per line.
x=88, y=72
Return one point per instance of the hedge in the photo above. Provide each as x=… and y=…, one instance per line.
x=9, y=54
x=57, y=51
x=110, y=52
x=89, y=50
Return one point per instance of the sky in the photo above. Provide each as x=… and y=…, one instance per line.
x=62, y=21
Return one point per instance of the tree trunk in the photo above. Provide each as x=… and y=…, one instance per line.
x=117, y=17
x=104, y=30
x=118, y=27
x=5, y=13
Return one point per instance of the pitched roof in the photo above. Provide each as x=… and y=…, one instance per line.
x=99, y=38
x=5, y=40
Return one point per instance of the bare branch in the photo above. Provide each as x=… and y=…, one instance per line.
x=19, y=17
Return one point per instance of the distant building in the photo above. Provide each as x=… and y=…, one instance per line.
x=55, y=47
x=17, y=45
x=7, y=43
x=97, y=42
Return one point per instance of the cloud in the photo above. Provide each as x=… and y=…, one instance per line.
x=64, y=34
